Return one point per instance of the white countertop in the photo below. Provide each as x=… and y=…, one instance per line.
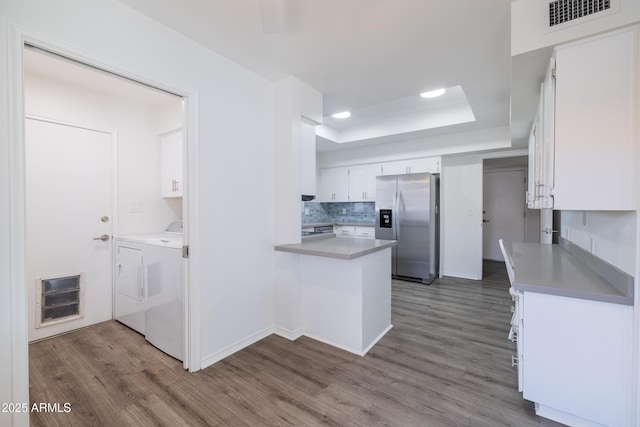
x=550, y=269
x=337, y=247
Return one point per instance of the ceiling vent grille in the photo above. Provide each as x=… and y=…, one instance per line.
x=561, y=11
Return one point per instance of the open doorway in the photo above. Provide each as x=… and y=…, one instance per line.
x=505, y=214
x=94, y=172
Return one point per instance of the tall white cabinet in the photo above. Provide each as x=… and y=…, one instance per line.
x=589, y=115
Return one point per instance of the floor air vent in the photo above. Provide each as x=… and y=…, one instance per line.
x=561, y=11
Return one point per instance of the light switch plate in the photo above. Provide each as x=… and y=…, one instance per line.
x=135, y=207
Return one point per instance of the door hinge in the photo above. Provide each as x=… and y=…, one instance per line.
x=554, y=72
x=185, y=251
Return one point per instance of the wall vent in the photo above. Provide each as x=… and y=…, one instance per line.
x=59, y=299
x=562, y=11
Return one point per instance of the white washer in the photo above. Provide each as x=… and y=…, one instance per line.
x=149, y=296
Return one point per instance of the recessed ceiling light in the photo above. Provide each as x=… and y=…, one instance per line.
x=342, y=115
x=432, y=93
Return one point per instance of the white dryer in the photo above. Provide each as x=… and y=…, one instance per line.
x=149, y=292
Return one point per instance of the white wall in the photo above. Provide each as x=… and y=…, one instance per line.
x=528, y=30
x=230, y=133
x=293, y=99
x=137, y=126
x=461, y=218
x=608, y=235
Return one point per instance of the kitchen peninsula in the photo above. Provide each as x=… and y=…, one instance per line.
x=345, y=289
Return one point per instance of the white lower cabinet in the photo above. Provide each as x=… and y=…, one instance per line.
x=576, y=359
x=366, y=232
x=363, y=232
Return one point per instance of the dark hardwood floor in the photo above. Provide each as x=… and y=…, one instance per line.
x=446, y=362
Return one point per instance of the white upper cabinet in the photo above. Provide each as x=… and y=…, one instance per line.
x=357, y=183
x=362, y=183
x=334, y=185
x=171, y=180
x=427, y=164
x=596, y=116
x=540, y=179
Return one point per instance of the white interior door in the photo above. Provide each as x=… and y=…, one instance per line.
x=504, y=208
x=68, y=208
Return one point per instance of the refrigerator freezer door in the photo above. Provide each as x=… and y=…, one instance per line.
x=386, y=218
x=413, y=226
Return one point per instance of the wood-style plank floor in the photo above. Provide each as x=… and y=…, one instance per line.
x=446, y=362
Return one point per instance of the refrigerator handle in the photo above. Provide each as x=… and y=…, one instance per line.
x=396, y=211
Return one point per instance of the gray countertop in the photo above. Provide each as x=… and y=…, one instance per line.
x=353, y=224
x=337, y=247
x=559, y=270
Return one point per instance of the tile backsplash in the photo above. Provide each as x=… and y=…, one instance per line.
x=349, y=212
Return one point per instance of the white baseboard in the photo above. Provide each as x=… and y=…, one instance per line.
x=288, y=334
x=462, y=275
x=564, y=417
x=229, y=350
x=374, y=342
x=351, y=350
x=332, y=344
x=285, y=333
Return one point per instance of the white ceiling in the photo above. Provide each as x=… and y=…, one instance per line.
x=367, y=56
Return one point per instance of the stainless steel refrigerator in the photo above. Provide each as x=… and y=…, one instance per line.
x=407, y=211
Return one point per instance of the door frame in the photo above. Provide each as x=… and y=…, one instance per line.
x=18, y=37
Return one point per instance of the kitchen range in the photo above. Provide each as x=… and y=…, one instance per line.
x=319, y=229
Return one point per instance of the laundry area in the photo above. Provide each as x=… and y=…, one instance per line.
x=104, y=202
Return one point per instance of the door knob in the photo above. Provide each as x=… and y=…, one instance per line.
x=104, y=237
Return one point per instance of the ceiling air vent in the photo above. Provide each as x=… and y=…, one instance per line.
x=562, y=11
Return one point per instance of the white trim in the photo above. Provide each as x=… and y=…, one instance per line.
x=288, y=334
x=375, y=341
x=114, y=220
x=69, y=124
x=563, y=417
x=18, y=290
x=350, y=350
x=462, y=275
x=503, y=154
x=235, y=347
x=191, y=212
